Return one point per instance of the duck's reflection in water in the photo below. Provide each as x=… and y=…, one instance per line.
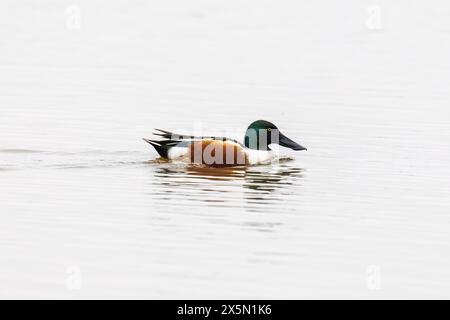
x=257, y=184
x=224, y=192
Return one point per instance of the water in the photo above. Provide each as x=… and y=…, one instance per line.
x=87, y=211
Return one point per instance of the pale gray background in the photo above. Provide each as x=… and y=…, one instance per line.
x=364, y=213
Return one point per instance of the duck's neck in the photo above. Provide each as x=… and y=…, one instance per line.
x=255, y=143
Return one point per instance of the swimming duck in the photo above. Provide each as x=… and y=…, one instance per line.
x=222, y=151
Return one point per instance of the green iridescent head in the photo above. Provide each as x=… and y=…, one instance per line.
x=261, y=133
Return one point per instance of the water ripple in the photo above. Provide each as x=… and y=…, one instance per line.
x=258, y=189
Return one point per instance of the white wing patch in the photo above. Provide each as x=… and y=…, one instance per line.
x=177, y=152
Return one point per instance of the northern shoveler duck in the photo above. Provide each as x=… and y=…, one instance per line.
x=222, y=151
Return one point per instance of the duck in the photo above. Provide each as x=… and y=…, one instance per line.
x=216, y=151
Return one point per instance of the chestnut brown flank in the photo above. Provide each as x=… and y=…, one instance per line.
x=217, y=153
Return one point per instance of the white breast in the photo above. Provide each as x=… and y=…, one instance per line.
x=259, y=156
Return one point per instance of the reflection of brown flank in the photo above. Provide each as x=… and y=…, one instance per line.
x=217, y=153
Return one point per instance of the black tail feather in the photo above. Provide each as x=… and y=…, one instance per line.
x=162, y=149
x=174, y=136
x=165, y=134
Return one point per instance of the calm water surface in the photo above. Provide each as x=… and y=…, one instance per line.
x=88, y=211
